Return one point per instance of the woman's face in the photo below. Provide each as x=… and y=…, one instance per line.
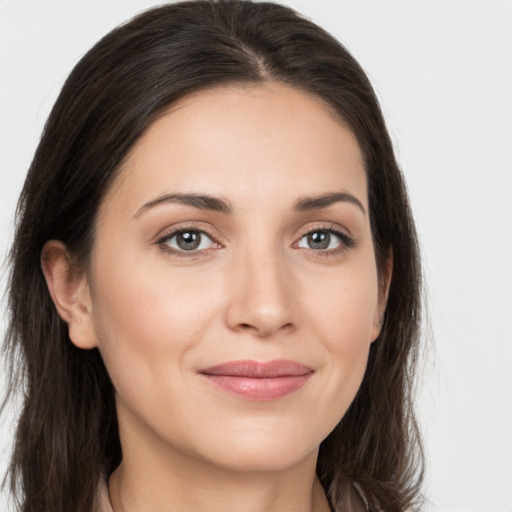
x=233, y=290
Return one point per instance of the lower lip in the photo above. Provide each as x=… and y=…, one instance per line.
x=262, y=389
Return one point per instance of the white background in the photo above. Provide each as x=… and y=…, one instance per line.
x=443, y=72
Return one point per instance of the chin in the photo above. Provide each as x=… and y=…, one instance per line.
x=263, y=459
x=262, y=449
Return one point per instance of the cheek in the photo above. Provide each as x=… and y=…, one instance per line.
x=343, y=312
x=345, y=307
x=146, y=320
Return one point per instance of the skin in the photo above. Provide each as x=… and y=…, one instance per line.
x=256, y=289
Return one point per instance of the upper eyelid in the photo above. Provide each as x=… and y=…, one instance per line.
x=344, y=237
x=335, y=228
x=169, y=232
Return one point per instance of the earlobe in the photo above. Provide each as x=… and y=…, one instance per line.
x=69, y=291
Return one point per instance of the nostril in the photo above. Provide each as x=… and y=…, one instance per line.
x=285, y=327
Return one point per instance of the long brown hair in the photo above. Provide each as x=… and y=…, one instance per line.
x=67, y=432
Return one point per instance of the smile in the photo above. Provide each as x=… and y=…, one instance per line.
x=259, y=381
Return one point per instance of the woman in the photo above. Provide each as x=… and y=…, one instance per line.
x=215, y=280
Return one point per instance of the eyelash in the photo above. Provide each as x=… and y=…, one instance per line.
x=163, y=241
x=346, y=242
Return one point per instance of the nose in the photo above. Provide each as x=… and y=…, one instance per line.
x=262, y=295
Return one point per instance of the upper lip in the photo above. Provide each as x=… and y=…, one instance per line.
x=259, y=370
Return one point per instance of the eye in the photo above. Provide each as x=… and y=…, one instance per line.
x=188, y=240
x=324, y=240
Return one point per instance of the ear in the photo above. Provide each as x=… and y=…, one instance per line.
x=70, y=293
x=384, y=284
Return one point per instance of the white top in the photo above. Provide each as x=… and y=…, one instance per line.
x=103, y=500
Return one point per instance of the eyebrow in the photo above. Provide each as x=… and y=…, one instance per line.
x=216, y=204
x=324, y=200
x=201, y=201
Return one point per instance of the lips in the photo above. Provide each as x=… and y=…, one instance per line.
x=258, y=381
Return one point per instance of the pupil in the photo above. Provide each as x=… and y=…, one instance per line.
x=319, y=240
x=188, y=240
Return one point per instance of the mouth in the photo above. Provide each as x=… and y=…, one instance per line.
x=258, y=381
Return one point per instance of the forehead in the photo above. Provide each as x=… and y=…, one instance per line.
x=256, y=141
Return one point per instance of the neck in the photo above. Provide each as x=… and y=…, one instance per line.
x=181, y=484
x=258, y=495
